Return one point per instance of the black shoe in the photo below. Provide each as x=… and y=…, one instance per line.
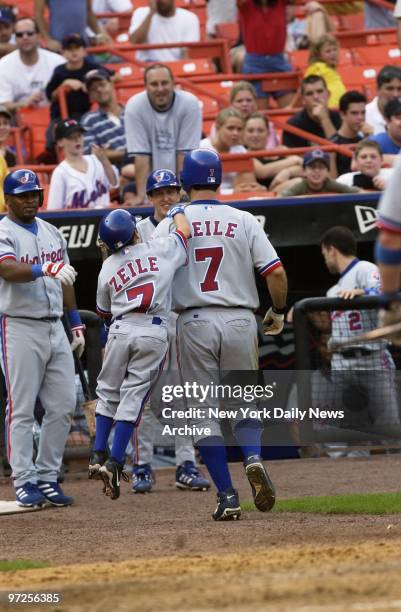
x=264, y=495
x=228, y=508
x=98, y=458
x=111, y=473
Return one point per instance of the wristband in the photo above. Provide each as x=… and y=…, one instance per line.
x=37, y=271
x=388, y=257
x=278, y=311
x=75, y=318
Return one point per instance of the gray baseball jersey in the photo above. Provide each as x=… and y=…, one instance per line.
x=162, y=135
x=139, y=277
x=36, y=244
x=389, y=207
x=226, y=245
x=146, y=227
x=36, y=356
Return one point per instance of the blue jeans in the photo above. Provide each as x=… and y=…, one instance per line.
x=254, y=63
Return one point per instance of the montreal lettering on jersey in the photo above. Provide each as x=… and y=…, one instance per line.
x=78, y=199
x=44, y=257
x=214, y=228
x=127, y=273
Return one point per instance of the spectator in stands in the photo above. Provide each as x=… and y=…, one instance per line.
x=243, y=97
x=316, y=117
x=24, y=73
x=301, y=32
x=220, y=11
x=129, y=194
x=229, y=130
x=368, y=173
x=388, y=83
x=353, y=127
x=269, y=171
x=7, y=37
x=80, y=181
x=65, y=17
x=161, y=125
x=378, y=16
x=111, y=6
x=162, y=22
x=317, y=169
x=264, y=29
x=390, y=140
x=323, y=60
x=72, y=75
x=5, y=129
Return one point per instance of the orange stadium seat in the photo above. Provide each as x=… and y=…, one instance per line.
x=377, y=54
x=25, y=7
x=361, y=78
x=299, y=59
x=229, y=31
x=37, y=120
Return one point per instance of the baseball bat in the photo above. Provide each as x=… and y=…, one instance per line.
x=371, y=336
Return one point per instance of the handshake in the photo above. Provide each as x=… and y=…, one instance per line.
x=60, y=271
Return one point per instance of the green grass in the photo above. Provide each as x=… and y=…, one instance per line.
x=370, y=503
x=20, y=564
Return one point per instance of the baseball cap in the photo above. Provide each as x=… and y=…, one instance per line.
x=316, y=155
x=6, y=15
x=73, y=39
x=393, y=107
x=96, y=75
x=66, y=127
x=6, y=112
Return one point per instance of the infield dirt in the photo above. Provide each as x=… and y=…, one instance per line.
x=162, y=551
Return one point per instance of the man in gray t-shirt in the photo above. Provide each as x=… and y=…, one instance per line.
x=161, y=125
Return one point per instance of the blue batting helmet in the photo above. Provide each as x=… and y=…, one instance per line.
x=161, y=178
x=117, y=229
x=201, y=167
x=22, y=181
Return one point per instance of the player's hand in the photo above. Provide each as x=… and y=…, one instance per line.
x=176, y=210
x=60, y=271
x=273, y=323
x=389, y=316
x=349, y=294
x=78, y=340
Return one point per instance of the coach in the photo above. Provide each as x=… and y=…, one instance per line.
x=161, y=125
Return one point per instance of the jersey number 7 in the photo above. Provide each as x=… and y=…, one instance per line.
x=215, y=255
x=145, y=292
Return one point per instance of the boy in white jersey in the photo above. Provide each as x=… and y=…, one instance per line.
x=358, y=278
x=134, y=291
x=163, y=191
x=216, y=327
x=80, y=181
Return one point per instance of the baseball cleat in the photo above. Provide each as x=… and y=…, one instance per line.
x=29, y=496
x=97, y=459
x=187, y=476
x=111, y=473
x=142, y=478
x=228, y=507
x=264, y=495
x=54, y=493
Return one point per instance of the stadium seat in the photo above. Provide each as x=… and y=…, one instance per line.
x=37, y=120
x=229, y=31
x=373, y=55
x=299, y=59
x=360, y=78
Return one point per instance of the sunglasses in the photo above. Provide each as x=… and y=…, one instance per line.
x=27, y=33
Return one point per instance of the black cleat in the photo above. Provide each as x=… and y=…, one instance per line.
x=264, y=495
x=228, y=508
x=111, y=473
x=98, y=458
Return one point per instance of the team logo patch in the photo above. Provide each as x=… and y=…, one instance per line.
x=27, y=178
x=160, y=177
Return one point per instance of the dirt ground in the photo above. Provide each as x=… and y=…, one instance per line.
x=162, y=551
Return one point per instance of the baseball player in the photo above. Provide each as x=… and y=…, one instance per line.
x=348, y=367
x=134, y=289
x=35, y=280
x=216, y=329
x=80, y=181
x=163, y=191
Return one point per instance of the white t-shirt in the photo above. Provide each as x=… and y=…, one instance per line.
x=181, y=27
x=111, y=6
x=220, y=11
x=19, y=81
x=227, y=182
x=397, y=10
x=374, y=118
x=348, y=178
x=70, y=188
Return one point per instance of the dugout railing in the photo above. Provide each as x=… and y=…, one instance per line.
x=361, y=375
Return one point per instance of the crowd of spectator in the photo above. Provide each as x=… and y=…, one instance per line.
x=106, y=144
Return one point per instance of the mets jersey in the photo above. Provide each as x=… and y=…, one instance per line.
x=36, y=243
x=226, y=245
x=70, y=188
x=138, y=278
